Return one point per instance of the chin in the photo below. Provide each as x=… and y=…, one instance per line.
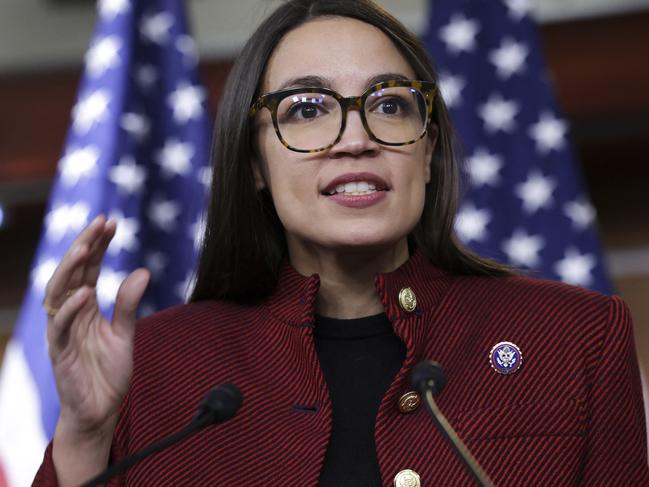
x=360, y=240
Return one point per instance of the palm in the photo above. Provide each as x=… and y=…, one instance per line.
x=92, y=358
x=94, y=370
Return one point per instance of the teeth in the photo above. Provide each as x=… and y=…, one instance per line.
x=355, y=188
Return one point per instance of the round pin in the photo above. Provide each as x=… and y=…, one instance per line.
x=505, y=358
x=407, y=299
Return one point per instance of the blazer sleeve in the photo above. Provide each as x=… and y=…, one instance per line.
x=46, y=475
x=617, y=438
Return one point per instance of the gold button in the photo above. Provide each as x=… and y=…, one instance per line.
x=407, y=299
x=409, y=402
x=407, y=478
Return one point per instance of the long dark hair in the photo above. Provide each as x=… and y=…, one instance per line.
x=244, y=241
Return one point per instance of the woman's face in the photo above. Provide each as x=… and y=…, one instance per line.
x=347, y=54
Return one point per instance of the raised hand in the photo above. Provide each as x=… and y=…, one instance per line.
x=92, y=357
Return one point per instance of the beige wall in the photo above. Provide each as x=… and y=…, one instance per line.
x=635, y=291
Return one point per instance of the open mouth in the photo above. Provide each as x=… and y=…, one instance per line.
x=356, y=188
x=355, y=184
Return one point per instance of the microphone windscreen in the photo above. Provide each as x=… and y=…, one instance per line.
x=428, y=374
x=221, y=403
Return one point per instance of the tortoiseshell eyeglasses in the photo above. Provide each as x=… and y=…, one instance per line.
x=394, y=112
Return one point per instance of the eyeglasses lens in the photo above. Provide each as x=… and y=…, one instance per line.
x=308, y=120
x=396, y=115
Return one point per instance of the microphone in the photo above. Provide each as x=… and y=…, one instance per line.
x=220, y=404
x=429, y=379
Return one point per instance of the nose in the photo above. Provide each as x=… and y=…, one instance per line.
x=355, y=140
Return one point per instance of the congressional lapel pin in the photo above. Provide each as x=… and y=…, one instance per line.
x=505, y=358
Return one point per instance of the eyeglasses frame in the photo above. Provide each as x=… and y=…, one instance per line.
x=272, y=100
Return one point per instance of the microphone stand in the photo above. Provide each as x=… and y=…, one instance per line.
x=133, y=459
x=220, y=404
x=456, y=443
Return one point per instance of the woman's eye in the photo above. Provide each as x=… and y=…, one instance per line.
x=308, y=111
x=391, y=106
x=304, y=111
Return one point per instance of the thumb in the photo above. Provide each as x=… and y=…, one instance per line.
x=128, y=298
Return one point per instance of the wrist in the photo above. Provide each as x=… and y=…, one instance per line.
x=79, y=455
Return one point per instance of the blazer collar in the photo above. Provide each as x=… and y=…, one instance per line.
x=294, y=298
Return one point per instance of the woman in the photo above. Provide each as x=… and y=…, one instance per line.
x=329, y=270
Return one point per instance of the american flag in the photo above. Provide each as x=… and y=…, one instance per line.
x=138, y=151
x=524, y=199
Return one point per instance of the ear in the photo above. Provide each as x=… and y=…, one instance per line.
x=260, y=181
x=431, y=143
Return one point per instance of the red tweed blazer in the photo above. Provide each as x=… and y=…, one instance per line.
x=571, y=415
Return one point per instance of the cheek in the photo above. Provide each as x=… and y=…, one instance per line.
x=416, y=173
x=290, y=182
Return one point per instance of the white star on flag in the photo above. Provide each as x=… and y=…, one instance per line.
x=451, y=89
x=127, y=175
x=519, y=9
x=108, y=284
x=575, y=268
x=581, y=213
x=459, y=34
x=164, y=214
x=90, y=110
x=109, y=9
x=509, y=58
x=155, y=28
x=146, y=75
x=187, y=46
x=103, y=55
x=155, y=262
x=483, y=168
x=205, y=176
x=536, y=192
x=498, y=114
x=549, y=133
x=175, y=158
x=125, y=235
x=471, y=223
x=66, y=218
x=78, y=163
x=135, y=124
x=523, y=249
x=186, y=102
x=42, y=273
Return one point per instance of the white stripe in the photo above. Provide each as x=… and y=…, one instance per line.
x=22, y=439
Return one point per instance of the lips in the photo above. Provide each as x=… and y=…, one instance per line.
x=367, y=177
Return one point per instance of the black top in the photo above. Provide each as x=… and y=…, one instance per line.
x=359, y=359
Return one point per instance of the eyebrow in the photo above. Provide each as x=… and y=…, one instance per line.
x=312, y=81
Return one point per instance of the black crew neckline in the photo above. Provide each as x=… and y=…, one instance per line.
x=364, y=327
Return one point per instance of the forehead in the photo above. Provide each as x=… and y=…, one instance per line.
x=345, y=51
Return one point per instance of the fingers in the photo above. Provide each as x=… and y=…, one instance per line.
x=128, y=298
x=97, y=252
x=67, y=275
x=58, y=330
